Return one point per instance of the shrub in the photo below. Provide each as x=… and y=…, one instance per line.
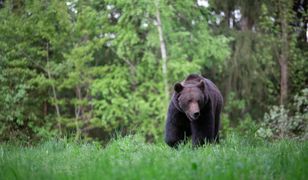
x=247, y=126
x=282, y=122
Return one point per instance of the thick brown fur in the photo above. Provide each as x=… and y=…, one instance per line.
x=194, y=111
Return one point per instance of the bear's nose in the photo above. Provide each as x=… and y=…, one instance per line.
x=196, y=114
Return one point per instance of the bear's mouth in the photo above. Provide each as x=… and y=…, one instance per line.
x=191, y=119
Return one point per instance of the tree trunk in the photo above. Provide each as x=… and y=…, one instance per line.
x=78, y=112
x=283, y=62
x=45, y=110
x=163, y=50
x=53, y=91
x=132, y=69
x=283, y=79
x=284, y=52
x=246, y=24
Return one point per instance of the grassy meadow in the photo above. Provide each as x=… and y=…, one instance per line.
x=71, y=70
x=130, y=158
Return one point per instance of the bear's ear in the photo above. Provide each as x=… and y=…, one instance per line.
x=178, y=87
x=201, y=85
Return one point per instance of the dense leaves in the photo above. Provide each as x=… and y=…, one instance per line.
x=95, y=68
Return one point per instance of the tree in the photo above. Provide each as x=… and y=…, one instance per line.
x=284, y=10
x=71, y=67
x=162, y=49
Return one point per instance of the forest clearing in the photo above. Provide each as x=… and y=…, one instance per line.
x=110, y=89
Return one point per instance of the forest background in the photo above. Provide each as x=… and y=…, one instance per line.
x=92, y=68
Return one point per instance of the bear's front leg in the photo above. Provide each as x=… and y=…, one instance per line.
x=177, y=126
x=174, y=135
x=203, y=130
x=198, y=134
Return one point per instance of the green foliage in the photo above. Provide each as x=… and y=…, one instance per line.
x=252, y=73
x=234, y=107
x=70, y=67
x=113, y=99
x=97, y=64
x=226, y=127
x=131, y=158
x=247, y=127
x=20, y=112
x=136, y=46
x=282, y=122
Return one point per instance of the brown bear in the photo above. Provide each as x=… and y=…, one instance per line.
x=194, y=111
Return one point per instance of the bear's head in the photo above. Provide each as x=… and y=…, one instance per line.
x=191, y=99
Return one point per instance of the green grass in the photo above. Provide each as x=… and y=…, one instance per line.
x=130, y=158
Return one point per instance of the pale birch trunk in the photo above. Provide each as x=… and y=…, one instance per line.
x=163, y=50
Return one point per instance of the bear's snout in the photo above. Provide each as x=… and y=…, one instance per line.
x=193, y=116
x=194, y=111
x=196, y=115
